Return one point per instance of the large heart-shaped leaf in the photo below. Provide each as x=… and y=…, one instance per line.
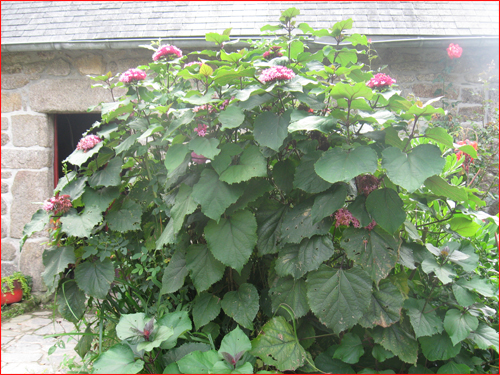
x=350, y=349
x=127, y=217
x=305, y=176
x=175, y=273
x=100, y=199
x=423, y=318
x=81, y=225
x=184, y=205
x=199, y=362
x=175, y=156
x=459, y=325
x=38, y=221
x=78, y=157
x=270, y=129
x=95, y=278
x=386, y=208
x=399, y=340
x=441, y=187
x=205, y=146
x=485, y=337
x=252, y=164
x=119, y=359
x=235, y=343
x=205, y=269
x=411, y=170
x=269, y=218
x=71, y=301
x=339, y=298
x=75, y=188
x=328, y=202
x=385, y=306
x=242, y=305
x=232, y=239
x=206, y=307
x=350, y=92
x=231, y=117
x=179, y=322
x=343, y=165
x=56, y=259
x=109, y=176
x=439, y=347
x=292, y=294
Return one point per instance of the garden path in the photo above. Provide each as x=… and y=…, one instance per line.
x=24, y=349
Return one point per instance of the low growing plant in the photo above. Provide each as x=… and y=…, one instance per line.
x=271, y=209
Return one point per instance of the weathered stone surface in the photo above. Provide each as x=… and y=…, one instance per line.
x=20, y=357
x=34, y=68
x=11, y=102
x=16, y=81
x=28, y=187
x=475, y=113
x=5, y=139
x=402, y=77
x=415, y=66
x=5, y=188
x=90, y=64
x=31, y=264
x=4, y=207
x=5, y=123
x=125, y=64
x=26, y=159
x=65, y=95
x=428, y=90
x=4, y=228
x=472, y=96
x=6, y=175
x=9, y=251
x=7, y=270
x=58, y=67
x=28, y=130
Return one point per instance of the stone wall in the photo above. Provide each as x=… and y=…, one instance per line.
x=38, y=84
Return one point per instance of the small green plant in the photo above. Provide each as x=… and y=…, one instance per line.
x=8, y=284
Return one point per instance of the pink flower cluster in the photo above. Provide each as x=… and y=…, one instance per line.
x=344, y=217
x=272, y=53
x=210, y=108
x=367, y=183
x=133, y=75
x=454, y=51
x=165, y=51
x=198, y=159
x=88, y=142
x=371, y=225
x=58, y=204
x=193, y=63
x=380, y=80
x=277, y=72
x=201, y=130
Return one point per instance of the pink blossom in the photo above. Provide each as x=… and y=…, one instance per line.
x=132, y=75
x=277, y=72
x=380, y=80
x=454, y=51
x=371, y=225
x=369, y=40
x=193, y=63
x=344, y=217
x=198, y=159
x=272, y=53
x=58, y=204
x=165, y=51
x=88, y=142
x=201, y=130
x=367, y=183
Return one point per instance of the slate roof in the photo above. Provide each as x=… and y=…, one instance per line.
x=47, y=21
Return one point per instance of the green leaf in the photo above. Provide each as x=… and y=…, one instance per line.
x=386, y=208
x=468, y=149
x=380, y=354
x=358, y=210
x=423, y=318
x=411, y=170
x=350, y=349
x=206, y=70
x=444, y=273
x=464, y=226
x=327, y=364
x=109, y=176
x=216, y=38
x=175, y=156
x=198, y=362
x=440, y=135
x=214, y=195
x=289, y=13
x=206, y=307
x=464, y=296
x=485, y=337
x=38, y=222
x=231, y=117
x=119, y=359
x=298, y=224
x=176, y=354
x=242, y=305
x=292, y=294
x=269, y=218
x=56, y=260
x=375, y=251
x=465, y=249
x=283, y=172
x=392, y=138
x=254, y=189
x=75, y=188
x=179, y=322
x=78, y=157
x=328, y=202
x=71, y=301
x=277, y=345
x=205, y=269
x=224, y=159
x=479, y=285
x=84, y=343
x=125, y=329
x=339, y=165
x=351, y=92
x=398, y=340
x=453, y=368
x=441, y=187
x=311, y=123
x=438, y=347
x=127, y=217
x=270, y=129
x=167, y=236
x=80, y=225
x=459, y=325
x=100, y=199
x=251, y=164
x=306, y=178
x=232, y=239
x=298, y=259
x=235, y=342
x=339, y=298
x=205, y=146
x=184, y=205
x=160, y=334
x=175, y=273
x=385, y=306
x=95, y=278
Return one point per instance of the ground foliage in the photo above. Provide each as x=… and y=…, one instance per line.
x=308, y=224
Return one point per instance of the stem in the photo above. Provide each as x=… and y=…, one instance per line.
x=315, y=337
x=347, y=121
x=412, y=132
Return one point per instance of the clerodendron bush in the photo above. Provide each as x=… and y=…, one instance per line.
x=271, y=209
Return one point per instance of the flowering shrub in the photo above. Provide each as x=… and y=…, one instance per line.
x=230, y=229
x=454, y=51
x=60, y=204
x=88, y=142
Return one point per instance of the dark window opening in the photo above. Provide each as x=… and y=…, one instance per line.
x=68, y=132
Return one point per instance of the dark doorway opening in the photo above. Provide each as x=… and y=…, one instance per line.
x=68, y=132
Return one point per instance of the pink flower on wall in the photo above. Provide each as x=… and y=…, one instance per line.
x=133, y=75
x=278, y=72
x=165, y=51
x=88, y=142
x=454, y=51
x=58, y=204
x=380, y=80
x=201, y=130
